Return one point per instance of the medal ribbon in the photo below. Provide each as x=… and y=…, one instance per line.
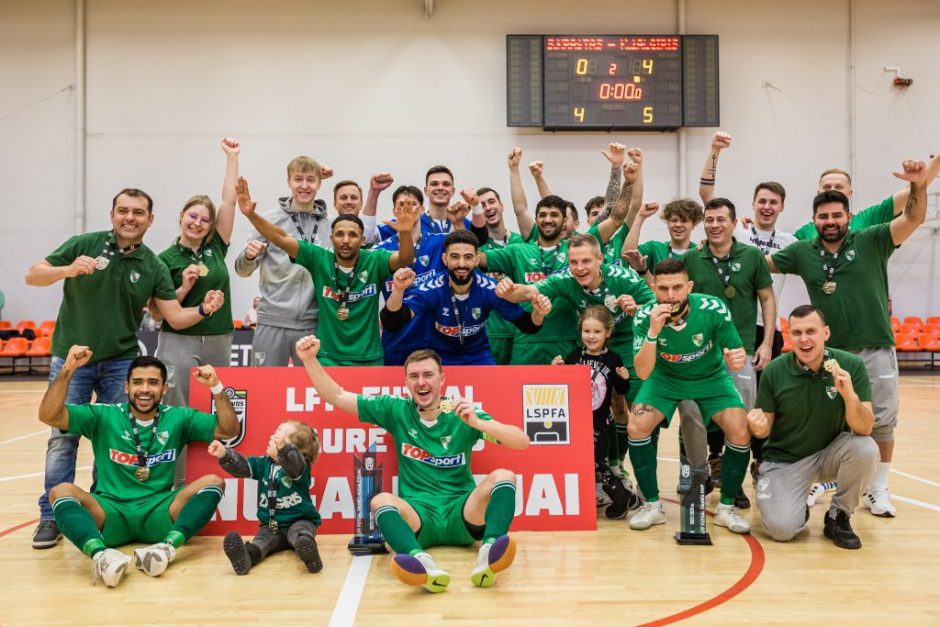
x=829, y=267
x=765, y=246
x=110, y=247
x=296, y=220
x=453, y=303
x=723, y=273
x=141, y=453
x=342, y=293
x=272, y=497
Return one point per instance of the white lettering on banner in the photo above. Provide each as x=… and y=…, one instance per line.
x=311, y=400
x=352, y=440
x=543, y=496
x=241, y=355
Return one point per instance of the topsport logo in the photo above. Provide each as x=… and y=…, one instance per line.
x=447, y=461
x=131, y=459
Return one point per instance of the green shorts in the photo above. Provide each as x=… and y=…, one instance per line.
x=712, y=395
x=501, y=347
x=540, y=353
x=443, y=524
x=141, y=520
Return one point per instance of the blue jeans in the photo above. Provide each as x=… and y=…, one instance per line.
x=106, y=378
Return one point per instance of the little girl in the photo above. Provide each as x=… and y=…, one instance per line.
x=607, y=374
x=286, y=513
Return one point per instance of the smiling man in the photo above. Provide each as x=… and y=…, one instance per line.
x=438, y=501
x=136, y=447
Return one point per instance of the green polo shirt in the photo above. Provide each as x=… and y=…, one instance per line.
x=808, y=410
x=103, y=310
x=857, y=312
x=872, y=216
x=177, y=258
x=749, y=273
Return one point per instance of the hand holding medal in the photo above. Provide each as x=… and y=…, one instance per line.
x=83, y=265
x=626, y=303
x=191, y=274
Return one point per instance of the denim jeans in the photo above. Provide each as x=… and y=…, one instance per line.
x=106, y=379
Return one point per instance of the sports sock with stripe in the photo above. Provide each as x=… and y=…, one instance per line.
x=78, y=525
x=500, y=510
x=396, y=530
x=197, y=511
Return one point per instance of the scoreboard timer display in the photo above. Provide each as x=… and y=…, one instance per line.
x=607, y=82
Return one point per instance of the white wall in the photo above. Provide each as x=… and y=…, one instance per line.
x=374, y=85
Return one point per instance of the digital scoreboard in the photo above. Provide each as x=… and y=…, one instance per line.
x=608, y=82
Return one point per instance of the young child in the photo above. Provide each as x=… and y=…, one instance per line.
x=607, y=374
x=286, y=515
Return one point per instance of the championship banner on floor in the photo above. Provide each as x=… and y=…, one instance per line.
x=552, y=404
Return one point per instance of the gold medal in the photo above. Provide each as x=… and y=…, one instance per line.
x=272, y=525
x=142, y=473
x=101, y=262
x=829, y=287
x=203, y=269
x=343, y=312
x=610, y=302
x=446, y=405
x=730, y=291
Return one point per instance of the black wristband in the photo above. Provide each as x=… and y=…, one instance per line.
x=202, y=311
x=643, y=271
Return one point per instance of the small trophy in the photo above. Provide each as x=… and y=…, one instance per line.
x=368, y=477
x=692, y=508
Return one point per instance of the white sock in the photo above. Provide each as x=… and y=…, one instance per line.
x=880, y=480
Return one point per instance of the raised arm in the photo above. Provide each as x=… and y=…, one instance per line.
x=226, y=420
x=406, y=216
x=509, y=436
x=328, y=389
x=614, y=154
x=706, y=184
x=515, y=292
x=621, y=210
x=520, y=206
x=52, y=410
x=271, y=232
x=902, y=195
x=536, y=169
x=915, y=211
x=644, y=360
x=225, y=219
x=377, y=184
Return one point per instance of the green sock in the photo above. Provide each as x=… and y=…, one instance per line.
x=622, y=442
x=613, y=451
x=643, y=458
x=500, y=510
x=77, y=524
x=396, y=531
x=194, y=515
x=733, y=468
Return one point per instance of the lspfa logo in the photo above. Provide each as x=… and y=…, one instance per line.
x=545, y=413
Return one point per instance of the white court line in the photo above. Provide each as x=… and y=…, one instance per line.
x=903, y=474
x=344, y=612
x=34, y=474
x=23, y=437
x=904, y=499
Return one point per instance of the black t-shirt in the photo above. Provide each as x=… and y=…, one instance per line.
x=604, y=379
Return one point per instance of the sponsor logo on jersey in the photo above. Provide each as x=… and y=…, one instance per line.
x=239, y=401
x=413, y=432
x=534, y=277
x=698, y=339
x=684, y=358
x=134, y=276
x=445, y=311
x=454, y=330
x=545, y=413
x=363, y=276
x=131, y=459
x=283, y=502
x=444, y=461
x=365, y=292
x=127, y=436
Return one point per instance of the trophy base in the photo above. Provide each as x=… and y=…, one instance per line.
x=367, y=545
x=691, y=537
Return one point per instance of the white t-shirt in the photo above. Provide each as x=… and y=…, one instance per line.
x=769, y=243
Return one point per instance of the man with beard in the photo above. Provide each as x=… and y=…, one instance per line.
x=106, y=275
x=438, y=501
x=682, y=345
x=346, y=279
x=455, y=305
x=136, y=446
x=846, y=275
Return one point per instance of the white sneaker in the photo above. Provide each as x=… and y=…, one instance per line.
x=728, y=516
x=109, y=566
x=878, y=500
x=420, y=570
x=602, y=499
x=818, y=490
x=154, y=559
x=648, y=515
x=493, y=558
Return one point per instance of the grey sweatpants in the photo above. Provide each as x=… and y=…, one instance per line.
x=273, y=346
x=882, y=367
x=269, y=542
x=850, y=460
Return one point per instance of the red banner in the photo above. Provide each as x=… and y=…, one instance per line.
x=554, y=476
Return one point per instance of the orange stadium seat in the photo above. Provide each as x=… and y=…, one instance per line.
x=909, y=329
x=5, y=324
x=914, y=321
x=931, y=320
x=787, y=347
x=239, y=324
x=930, y=343
x=895, y=324
x=907, y=343
x=42, y=347
x=15, y=347
x=25, y=324
x=47, y=324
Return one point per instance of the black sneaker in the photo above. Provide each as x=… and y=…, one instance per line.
x=755, y=471
x=624, y=500
x=741, y=501
x=840, y=531
x=307, y=551
x=235, y=551
x=47, y=535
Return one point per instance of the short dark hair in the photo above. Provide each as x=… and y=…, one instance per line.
x=597, y=201
x=828, y=196
x=772, y=186
x=438, y=169
x=411, y=190
x=570, y=206
x=718, y=203
x=670, y=266
x=348, y=217
x=344, y=184
x=463, y=236
x=807, y=310
x=488, y=190
x=133, y=192
x=146, y=361
x=556, y=202
x=421, y=355
x=685, y=209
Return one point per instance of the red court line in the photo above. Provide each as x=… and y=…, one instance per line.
x=7, y=532
x=749, y=577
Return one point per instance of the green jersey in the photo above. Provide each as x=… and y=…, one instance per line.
x=857, y=309
x=104, y=309
x=293, y=496
x=694, y=351
x=496, y=326
x=615, y=280
x=433, y=462
x=614, y=247
x=656, y=251
x=742, y=272
x=212, y=255
x=872, y=216
x=808, y=410
x=355, y=339
x=110, y=430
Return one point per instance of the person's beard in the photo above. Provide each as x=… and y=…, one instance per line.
x=457, y=279
x=156, y=403
x=839, y=235
x=680, y=311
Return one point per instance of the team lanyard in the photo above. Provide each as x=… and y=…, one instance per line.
x=829, y=268
x=765, y=246
x=453, y=303
x=272, y=497
x=110, y=249
x=724, y=273
x=342, y=293
x=142, y=473
x=603, y=292
x=296, y=220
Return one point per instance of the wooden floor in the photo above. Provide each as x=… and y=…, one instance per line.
x=613, y=576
